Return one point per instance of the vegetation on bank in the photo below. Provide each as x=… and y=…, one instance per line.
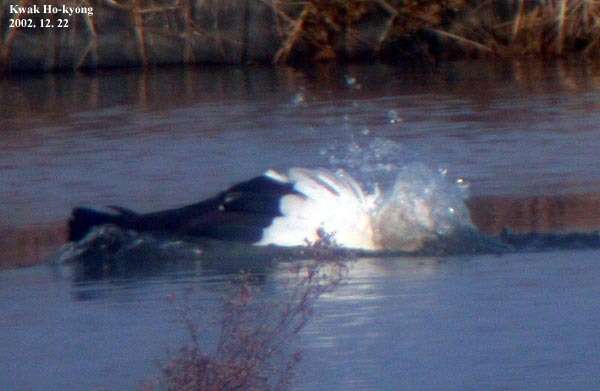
x=425, y=29
x=542, y=28
x=150, y=32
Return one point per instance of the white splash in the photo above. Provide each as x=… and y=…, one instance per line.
x=332, y=202
x=421, y=205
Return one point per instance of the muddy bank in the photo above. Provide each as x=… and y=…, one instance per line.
x=32, y=244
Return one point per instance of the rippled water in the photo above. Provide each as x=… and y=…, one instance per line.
x=168, y=137
x=524, y=320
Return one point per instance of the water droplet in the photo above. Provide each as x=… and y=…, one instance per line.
x=462, y=184
x=393, y=117
x=298, y=99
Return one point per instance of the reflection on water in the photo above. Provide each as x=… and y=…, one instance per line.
x=140, y=138
x=59, y=335
x=162, y=138
x=514, y=322
x=522, y=321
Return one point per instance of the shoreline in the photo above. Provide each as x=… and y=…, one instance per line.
x=143, y=34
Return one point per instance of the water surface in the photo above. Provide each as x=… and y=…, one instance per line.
x=168, y=137
x=522, y=321
x=163, y=138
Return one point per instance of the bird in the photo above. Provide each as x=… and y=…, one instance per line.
x=273, y=209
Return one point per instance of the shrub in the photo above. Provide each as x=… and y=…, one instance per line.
x=252, y=350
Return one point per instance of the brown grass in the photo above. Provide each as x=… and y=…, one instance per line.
x=551, y=28
x=326, y=30
x=7, y=42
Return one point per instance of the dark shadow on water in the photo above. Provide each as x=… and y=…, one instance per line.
x=110, y=253
x=551, y=241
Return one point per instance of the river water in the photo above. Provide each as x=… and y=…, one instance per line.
x=167, y=137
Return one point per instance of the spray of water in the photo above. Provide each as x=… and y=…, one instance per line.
x=415, y=203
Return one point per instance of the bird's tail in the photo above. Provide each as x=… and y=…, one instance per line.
x=84, y=219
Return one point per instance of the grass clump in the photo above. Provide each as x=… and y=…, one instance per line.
x=253, y=347
x=424, y=29
x=151, y=32
x=325, y=30
x=518, y=28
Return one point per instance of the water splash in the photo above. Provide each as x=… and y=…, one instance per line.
x=417, y=204
x=393, y=117
x=374, y=163
x=298, y=99
x=352, y=83
x=421, y=206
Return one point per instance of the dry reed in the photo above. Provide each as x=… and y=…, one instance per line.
x=253, y=350
x=149, y=32
x=547, y=29
x=325, y=30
